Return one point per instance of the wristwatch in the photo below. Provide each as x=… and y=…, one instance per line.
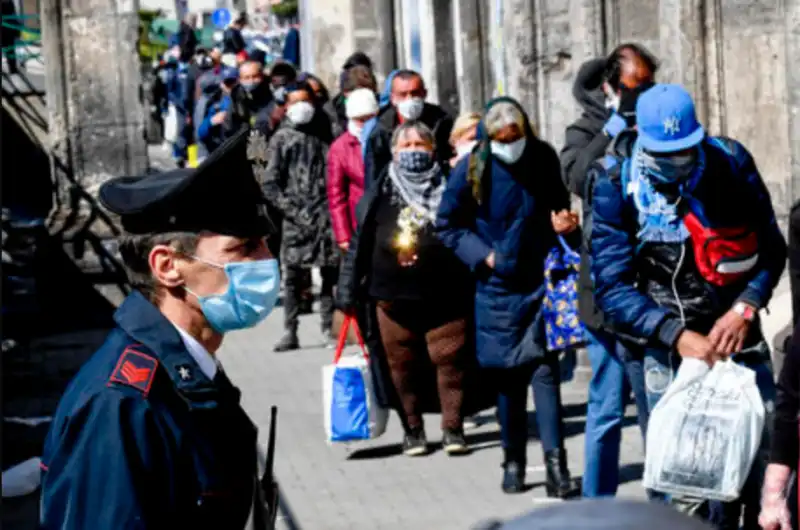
x=745, y=311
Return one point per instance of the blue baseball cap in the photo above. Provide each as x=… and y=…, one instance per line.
x=666, y=119
x=230, y=74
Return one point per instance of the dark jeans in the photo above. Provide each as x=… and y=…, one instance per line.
x=294, y=284
x=512, y=406
x=615, y=372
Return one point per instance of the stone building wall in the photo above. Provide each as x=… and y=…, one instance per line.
x=740, y=59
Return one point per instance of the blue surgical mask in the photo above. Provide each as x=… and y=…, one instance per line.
x=253, y=289
x=249, y=86
x=415, y=161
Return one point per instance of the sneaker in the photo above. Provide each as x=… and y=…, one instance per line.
x=415, y=443
x=288, y=342
x=454, y=443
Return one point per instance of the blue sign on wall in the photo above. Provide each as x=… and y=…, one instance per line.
x=221, y=18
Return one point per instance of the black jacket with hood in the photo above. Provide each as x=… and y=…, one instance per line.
x=585, y=143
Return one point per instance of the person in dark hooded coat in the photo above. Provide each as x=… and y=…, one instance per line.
x=294, y=181
x=607, y=89
x=501, y=218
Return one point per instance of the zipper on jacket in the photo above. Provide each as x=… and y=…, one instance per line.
x=675, y=282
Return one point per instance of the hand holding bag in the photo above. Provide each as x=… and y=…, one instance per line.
x=705, y=431
x=351, y=408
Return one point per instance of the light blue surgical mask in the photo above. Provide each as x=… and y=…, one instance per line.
x=249, y=86
x=253, y=289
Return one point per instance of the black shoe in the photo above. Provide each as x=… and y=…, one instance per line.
x=288, y=342
x=559, y=483
x=513, y=477
x=454, y=443
x=415, y=443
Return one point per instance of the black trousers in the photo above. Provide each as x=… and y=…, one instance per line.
x=295, y=284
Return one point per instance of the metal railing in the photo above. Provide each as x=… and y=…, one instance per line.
x=28, y=45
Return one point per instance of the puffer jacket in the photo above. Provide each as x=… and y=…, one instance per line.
x=345, y=185
x=655, y=291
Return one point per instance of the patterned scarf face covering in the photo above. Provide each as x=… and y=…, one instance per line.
x=658, y=217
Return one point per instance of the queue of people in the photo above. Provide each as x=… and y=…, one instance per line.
x=433, y=232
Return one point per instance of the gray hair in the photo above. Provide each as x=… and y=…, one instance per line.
x=502, y=115
x=135, y=252
x=418, y=127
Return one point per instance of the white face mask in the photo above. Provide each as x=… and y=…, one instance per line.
x=465, y=148
x=509, y=153
x=355, y=128
x=301, y=112
x=411, y=108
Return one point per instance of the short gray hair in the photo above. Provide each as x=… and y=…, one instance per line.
x=502, y=115
x=135, y=252
x=418, y=127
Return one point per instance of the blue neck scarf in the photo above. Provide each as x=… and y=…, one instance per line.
x=658, y=218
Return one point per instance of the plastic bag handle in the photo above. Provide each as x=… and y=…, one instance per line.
x=567, y=249
x=349, y=319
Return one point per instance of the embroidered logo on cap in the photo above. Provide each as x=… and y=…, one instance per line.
x=672, y=126
x=135, y=369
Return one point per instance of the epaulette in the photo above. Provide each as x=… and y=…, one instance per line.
x=134, y=369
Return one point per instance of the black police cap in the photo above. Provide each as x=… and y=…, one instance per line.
x=220, y=196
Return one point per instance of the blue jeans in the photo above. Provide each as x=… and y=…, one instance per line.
x=660, y=366
x=615, y=372
x=512, y=407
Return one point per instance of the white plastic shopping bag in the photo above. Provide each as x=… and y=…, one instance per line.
x=351, y=409
x=171, y=124
x=705, y=431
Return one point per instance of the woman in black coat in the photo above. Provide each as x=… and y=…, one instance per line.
x=411, y=295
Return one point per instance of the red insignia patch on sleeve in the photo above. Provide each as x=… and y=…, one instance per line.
x=135, y=369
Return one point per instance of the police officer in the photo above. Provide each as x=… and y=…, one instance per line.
x=150, y=433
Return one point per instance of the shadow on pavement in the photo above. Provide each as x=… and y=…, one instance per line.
x=53, y=316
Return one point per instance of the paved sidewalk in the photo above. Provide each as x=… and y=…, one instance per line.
x=371, y=485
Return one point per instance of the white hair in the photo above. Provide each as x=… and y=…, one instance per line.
x=502, y=115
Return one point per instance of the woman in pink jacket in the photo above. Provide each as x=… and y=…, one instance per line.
x=346, y=166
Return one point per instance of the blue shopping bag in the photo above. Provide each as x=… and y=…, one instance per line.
x=563, y=326
x=352, y=411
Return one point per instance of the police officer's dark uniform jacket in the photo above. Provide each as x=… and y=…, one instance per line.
x=142, y=438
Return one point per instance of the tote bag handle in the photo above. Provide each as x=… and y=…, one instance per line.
x=567, y=249
x=348, y=320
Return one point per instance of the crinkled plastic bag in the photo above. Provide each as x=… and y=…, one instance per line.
x=705, y=431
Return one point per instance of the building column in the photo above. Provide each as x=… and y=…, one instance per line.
x=469, y=55
x=793, y=92
x=520, y=42
x=683, y=50
x=93, y=78
x=332, y=31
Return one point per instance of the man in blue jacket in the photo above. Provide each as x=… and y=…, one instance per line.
x=685, y=252
x=150, y=433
